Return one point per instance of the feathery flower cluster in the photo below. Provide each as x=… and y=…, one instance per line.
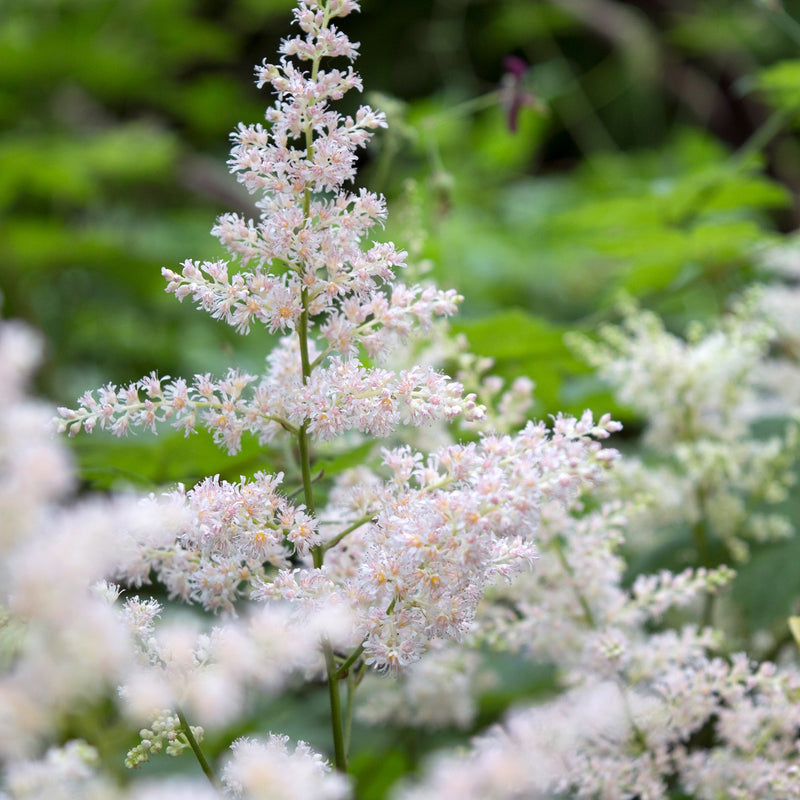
x=310, y=271
x=699, y=398
x=400, y=557
x=68, y=642
x=686, y=389
x=268, y=770
x=344, y=395
x=232, y=533
x=635, y=699
x=442, y=529
x=438, y=691
x=780, y=302
x=213, y=674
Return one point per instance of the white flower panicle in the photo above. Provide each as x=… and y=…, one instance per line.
x=441, y=530
x=344, y=395
x=231, y=534
x=68, y=644
x=269, y=770
x=700, y=397
x=646, y=712
x=438, y=691
x=430, y=541
x=62, y=773
x=398, y=558
x=686, y=388
x=304, y=261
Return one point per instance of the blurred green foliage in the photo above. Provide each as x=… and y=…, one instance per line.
x=654, y=156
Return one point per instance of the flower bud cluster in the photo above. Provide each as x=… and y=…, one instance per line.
x=165, y=733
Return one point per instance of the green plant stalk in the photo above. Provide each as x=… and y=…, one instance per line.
x=337, y=728
x=562, y=559
x=208, y=770
x=349, y=707
x=318, y=553
x=354, y=656
x=355, y=526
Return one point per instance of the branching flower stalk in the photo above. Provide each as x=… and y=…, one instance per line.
x=401, y=554
x=208, y=770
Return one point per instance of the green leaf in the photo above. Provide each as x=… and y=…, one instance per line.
x=768, y=585
x=780, y=84
x=149, y=461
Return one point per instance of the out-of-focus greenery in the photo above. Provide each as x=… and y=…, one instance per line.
x=657, y=154
x=625, y=174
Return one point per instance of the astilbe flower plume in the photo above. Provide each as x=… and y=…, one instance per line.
x=443, y=526
x=700, y=396
x=412, y=552
x=401, y=554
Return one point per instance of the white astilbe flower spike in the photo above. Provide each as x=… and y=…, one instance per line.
x=69, y=645
x=307, y=271
x=269, y=770
x=442, y=529
x=344, y=395
x=231, y=534
x=213, y=674
x=63, y=773
x=687, y=389
x=438, y=691
x=700, y=397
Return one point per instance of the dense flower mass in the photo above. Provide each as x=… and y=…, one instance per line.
x=441, y=529
x=414, y=561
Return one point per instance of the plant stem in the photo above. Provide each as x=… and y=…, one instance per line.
x=208, y=770
x=318, y=553
x=565, y=565
x=352, y=658
x=339, y=752
x=348, y=717
x=349, y=529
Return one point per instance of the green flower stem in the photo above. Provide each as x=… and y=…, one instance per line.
x=562, y=559
x=350, y=706
x=208, y=770
x=301, y=489
x=318, y=553
x=349, y=529
x=339, y=750
x=351, y=659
